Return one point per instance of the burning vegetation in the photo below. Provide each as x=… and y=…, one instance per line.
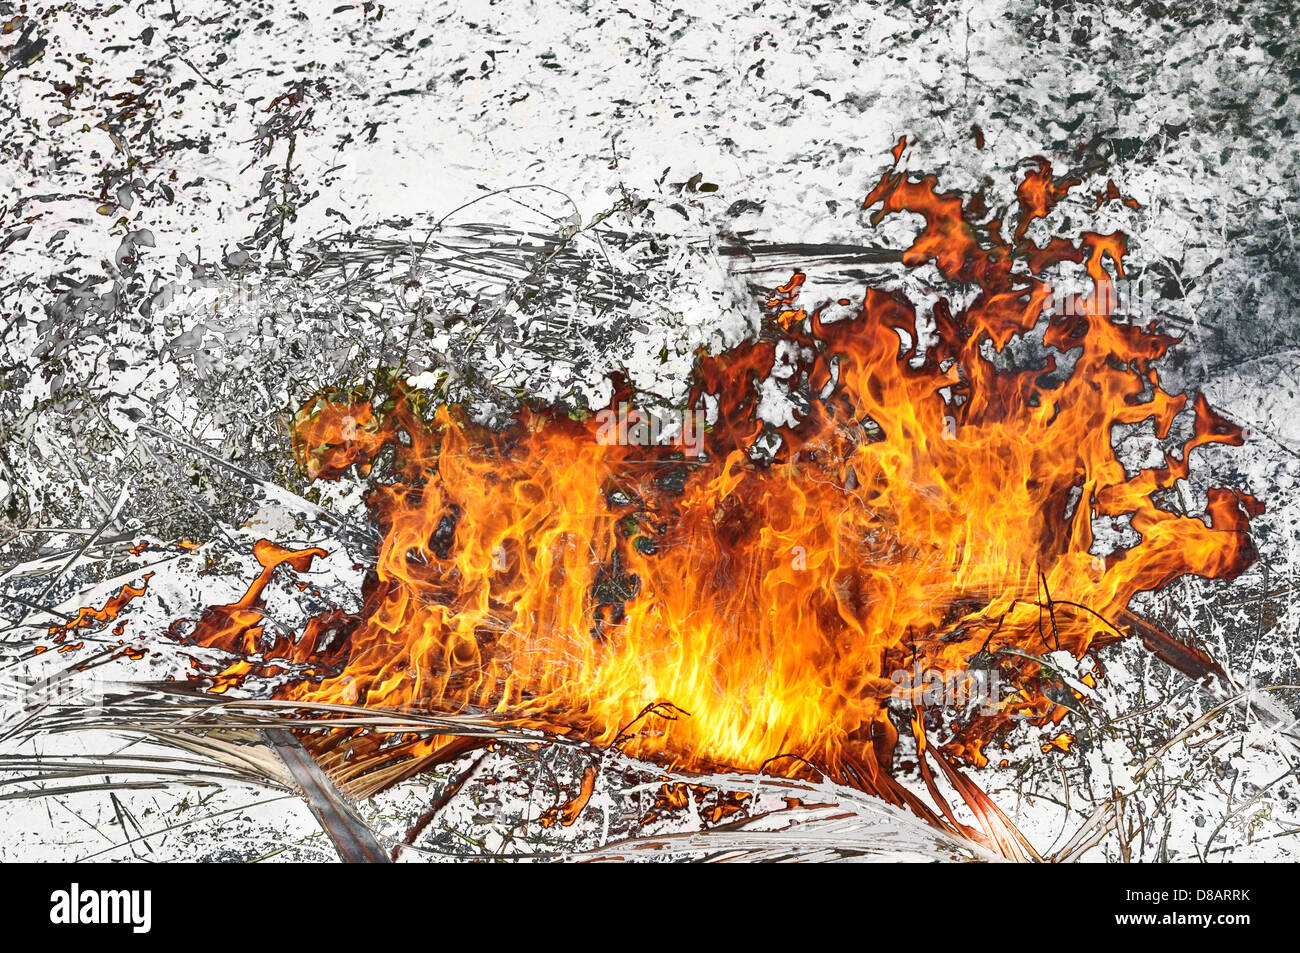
x=749, y=605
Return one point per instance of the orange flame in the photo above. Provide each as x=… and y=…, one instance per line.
x=90, y=619
x=738, y=610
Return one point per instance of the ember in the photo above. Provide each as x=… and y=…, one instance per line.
x=749, y=607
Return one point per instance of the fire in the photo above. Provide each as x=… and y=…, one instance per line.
x=90, y=619
x=746, y=610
